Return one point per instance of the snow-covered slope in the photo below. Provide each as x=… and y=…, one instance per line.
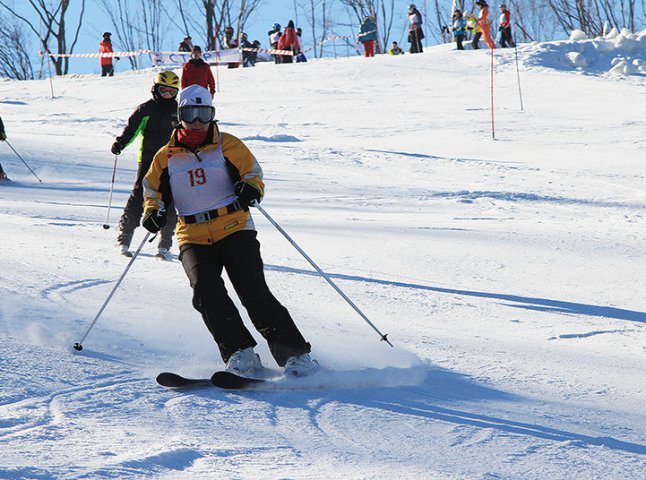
x=508, y=273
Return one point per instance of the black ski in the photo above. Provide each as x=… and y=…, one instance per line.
x=231, y=381
x=173, y=380
x=224, y=380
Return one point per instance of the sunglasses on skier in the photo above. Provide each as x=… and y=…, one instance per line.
x=203, y=114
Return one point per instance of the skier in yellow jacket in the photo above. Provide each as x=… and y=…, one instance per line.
x=213, y=178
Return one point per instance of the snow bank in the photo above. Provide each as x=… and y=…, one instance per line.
x=616, y=53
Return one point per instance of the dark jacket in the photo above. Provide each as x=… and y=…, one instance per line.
x=154, y=120
x=368, y=30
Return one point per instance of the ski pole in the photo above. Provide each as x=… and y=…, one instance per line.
x=384, y=338
x=493, y=128
x=14, y=151
x=106, y=225
x=520, y=93
x=79, y=345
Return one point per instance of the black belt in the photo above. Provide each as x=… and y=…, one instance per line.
x=211, y=214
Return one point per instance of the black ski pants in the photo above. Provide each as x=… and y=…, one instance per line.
x=506, y=40
x=107, y=70
x=134, y=209
x=475, y=41
x=458, y=41
x=239, y=255
x=415, y=42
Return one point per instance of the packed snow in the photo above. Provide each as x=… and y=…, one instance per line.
x=508, y=273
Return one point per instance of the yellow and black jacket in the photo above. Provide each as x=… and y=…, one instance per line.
x=200, y=183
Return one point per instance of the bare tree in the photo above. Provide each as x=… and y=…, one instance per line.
x=151, y=23
x=138, y=25
x=320, y=28
x=14, y=53
x=210, y=17
x=591, y=16
x=533, y=20
x=52, y=19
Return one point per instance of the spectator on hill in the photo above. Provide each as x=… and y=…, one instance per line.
x=474, y=28
x=274, y=36
x=395, y=50
x=107, y=69
x=230, y=42
x=300, y=57
x=197, y=72
x=459, y=28
x=484, y=23
x=288, y=41
x=415, y=33
x=368, y=35
x=186, y=45
x=506, y=39
x=246, y=55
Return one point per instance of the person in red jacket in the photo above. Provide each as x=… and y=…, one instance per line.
x=106, y=62
x=289, y=41
x=506, y=38
x=484, y=23
x=197, y=72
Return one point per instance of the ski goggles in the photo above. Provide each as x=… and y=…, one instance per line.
x=167, y=91
x=202, y=113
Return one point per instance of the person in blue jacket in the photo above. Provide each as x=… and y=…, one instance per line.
x=459, y=28
x=368, y=35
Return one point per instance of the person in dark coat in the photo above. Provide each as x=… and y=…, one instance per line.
x=186, y=45
x=246, y=56
x=415, y=33
x=368, y=35
x=154, y=119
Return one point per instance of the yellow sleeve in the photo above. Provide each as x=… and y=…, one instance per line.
x=237, y=153
x=156, y=183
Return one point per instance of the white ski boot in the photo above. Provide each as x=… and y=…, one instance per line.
x=301, y=366
x=162, y=253
x=244, y=363
x=125, y=250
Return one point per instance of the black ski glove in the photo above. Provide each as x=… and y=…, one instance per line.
x=154, y=220
x=116, y=148
x=247, y=194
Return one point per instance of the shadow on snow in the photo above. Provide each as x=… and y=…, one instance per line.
x=530, y=303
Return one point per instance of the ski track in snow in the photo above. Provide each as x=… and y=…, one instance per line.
x=508, y=274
